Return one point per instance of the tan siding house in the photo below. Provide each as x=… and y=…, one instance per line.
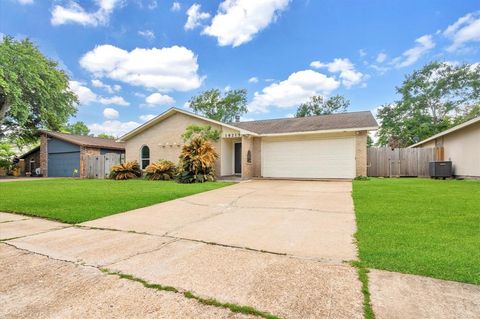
x=329, y=146
x=461, y=145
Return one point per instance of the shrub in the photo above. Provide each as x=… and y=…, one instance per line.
x=161, y=170
x=126, y=170
x=361, y=178
x=197, y=161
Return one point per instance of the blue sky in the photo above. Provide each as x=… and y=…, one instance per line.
x=132, y=59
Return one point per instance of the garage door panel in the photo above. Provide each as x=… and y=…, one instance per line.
x=315, y=158
x=63, y=164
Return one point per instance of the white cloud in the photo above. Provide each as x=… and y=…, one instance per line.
x=110, y=89
x=159, y=99
x=147, y=34
x=298, y=88
x=175, y=6
x=362, y=52
x=110, y=114
x=424, y=44
x=348, y=74
x=114, y=100
x=85, y=95
x=227, y=88
x=381, y=57
x=75, y=13
x=164, y=69
x=237, y=21
x=146, y=117
x=25, y=1
x=112, y=127
x=464, y=30
x=153, y=4
x=195, y=17
x=139, y=94
x=253, y=79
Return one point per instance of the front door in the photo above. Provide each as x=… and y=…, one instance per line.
x=238, y=158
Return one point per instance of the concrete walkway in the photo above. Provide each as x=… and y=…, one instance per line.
x=278, y=246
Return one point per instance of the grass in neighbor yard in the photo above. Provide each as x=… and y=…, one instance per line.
x=420, y=226
x=79, y=200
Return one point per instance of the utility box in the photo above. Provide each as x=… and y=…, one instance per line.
x=440, y=169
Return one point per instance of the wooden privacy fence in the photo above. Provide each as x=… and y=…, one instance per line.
x=98, y=166
x=387, y=162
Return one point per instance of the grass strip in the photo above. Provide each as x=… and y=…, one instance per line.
x=247, y=310
x=363, y=277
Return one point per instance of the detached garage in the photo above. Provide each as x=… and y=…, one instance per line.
x=62, y=154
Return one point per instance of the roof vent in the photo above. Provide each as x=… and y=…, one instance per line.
x=237, y=118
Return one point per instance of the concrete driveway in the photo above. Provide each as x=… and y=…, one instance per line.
x=277, y=246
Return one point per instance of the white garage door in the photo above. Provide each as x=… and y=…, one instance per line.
x=311, y=158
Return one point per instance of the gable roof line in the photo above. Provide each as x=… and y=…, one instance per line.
x=450, y=130
x=171, y=110
x=87, y=140
x=33, y=150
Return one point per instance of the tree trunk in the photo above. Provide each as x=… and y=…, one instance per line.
x=4, y=107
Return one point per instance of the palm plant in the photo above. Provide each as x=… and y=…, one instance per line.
x=197, y=161
x=126, y=170
x=161, y=170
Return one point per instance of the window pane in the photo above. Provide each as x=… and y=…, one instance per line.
x=145, y=163
x=145, y=152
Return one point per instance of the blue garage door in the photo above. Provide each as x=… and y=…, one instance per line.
x=63, y=164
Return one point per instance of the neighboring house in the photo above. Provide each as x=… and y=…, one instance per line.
x=461, y=145
x=31, y=161
x=326, y=146
x=60, y=154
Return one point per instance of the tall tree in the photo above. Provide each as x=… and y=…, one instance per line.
x=78, y=128
x=34, y=93
x=434, y=98
x=318, y=105
x=224, y=108
x=106, y=136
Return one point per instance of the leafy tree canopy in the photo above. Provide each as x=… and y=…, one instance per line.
x=318, y=105
x=34, y=93
x=223, y=108
x=433, y=99
x=204, y=131
x=6, y=154
x=78, y=128
x=107, y=136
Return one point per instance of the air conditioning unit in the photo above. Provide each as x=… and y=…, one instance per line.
x=440, y=169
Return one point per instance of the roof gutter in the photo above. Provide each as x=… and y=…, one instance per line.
x=372, y=128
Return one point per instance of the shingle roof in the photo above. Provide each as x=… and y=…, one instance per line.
x=350, y=120
x=87, y=140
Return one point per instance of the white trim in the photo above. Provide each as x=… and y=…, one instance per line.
x=171, y=111
x=450, y=130
x=373, y=128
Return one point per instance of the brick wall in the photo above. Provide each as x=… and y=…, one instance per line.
x=43, y=155
x=247, y=151
x=361, y=153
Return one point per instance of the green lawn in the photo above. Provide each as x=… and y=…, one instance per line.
x=79, y=200
x=420, y=226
